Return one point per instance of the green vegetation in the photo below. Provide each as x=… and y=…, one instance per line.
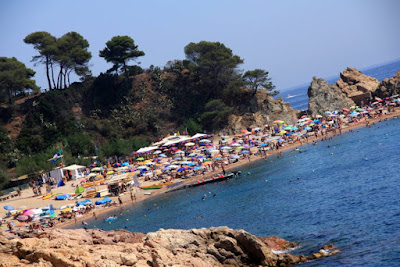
x=121, y=110
x=119, y=50
x=15, y=78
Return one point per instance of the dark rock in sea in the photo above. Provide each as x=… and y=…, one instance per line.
x=215, y=246
x=326, y=97
x=389, y=87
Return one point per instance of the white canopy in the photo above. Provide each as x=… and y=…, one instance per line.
x=198, y=135
x=147, y=149
x=74, y=167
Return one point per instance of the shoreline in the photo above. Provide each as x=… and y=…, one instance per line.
x=127, y=201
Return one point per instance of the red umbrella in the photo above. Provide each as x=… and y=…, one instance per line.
x=346, y=109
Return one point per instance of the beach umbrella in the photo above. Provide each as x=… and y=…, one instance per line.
x=8, y=207
x=190, y=144
x=217, y=158
x=289, y=128
x=177, y=158
x=125, y=164
x=22, y=218
x=204, y=141
x=67, y=209
x=225, y=148
x=140, y=159
x=192, y=154
x=245, y=152
x=179, y=152
x=200, y=157
x=279, y=121
x=91, y=175
x=263, y=145
x=307, y=128
x=235, y=157
x=28, y=212
x=346, y=109
x=157, y=152
x=79, y=190
x=282, y=132
x=180, y=169
x=142, y=168
x=162, y=155
x=96, y=169
x=156, y=160
x=110, y=172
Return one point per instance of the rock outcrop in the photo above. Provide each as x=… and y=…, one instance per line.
x=356, y=85
x=216, y=246
x=389, y=87
x=326, y=97
x=263, y=109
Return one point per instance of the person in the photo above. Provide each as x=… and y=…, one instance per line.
x=131, y=196
x=120, y=201
x=94, y=215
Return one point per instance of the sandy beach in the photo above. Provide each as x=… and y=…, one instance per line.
x=29, y=201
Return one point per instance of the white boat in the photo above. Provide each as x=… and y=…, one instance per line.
x=290, y=96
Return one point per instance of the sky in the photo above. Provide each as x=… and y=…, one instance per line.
x=293, y=40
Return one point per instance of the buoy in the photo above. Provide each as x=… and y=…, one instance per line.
x=199, y=181
x=213, y=178
x=127, y=219
x=109, y=222
x=202, y=180
x=248, y=173
x=332, y=153
x=266, y=180
x=313, y=170
x=145, y=215
x=366, y=158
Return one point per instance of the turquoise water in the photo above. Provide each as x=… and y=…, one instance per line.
x=351, y=199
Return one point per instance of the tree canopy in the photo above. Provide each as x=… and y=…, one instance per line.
x=15, y=77
x=119, y=50
x=69, y=52
x=258, y=79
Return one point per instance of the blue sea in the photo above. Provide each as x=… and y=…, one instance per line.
x=300, y=99
x=347, y=194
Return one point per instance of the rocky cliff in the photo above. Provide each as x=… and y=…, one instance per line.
x=216, y=246
x=357, y=85
x=326, y=97
x=389, y=86
x=263, y=109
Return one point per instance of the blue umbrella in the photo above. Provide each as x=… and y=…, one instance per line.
x=125, y=164
x=9, y=207
x=307, y=128
x=245, y=152
x=280, y=140
x=235, y=157
x=191, y=164
x=217, y=158
x=200, y=157
x=177, y=158
x=162, y=155
x=180, y=169
x=263, y=145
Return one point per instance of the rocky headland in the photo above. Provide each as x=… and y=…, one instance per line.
x=352, y=88
x=215, y=246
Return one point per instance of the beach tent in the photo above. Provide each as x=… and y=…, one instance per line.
x=77, y=171
x=60, y=183
x=79, y=190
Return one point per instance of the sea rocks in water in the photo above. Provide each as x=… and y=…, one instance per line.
x=357, y=85
x=389, y=87
x=215, y=246
x=326, y=97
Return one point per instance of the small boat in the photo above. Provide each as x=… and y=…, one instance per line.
x=151, y=187
x=111, y=218
x=290, y=96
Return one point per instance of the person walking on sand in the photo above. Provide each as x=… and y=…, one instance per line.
x=131, y=196
x=120, y=201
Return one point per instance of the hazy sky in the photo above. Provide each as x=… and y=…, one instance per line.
x=293, y=40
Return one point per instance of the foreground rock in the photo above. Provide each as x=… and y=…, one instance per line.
x=326, y=97
x=216, y=246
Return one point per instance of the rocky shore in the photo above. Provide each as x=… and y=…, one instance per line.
x=215, y=246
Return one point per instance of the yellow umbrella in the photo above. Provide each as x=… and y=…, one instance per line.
x=66, y=210
x=110, y=172
x=279, y=121
x=283, y=132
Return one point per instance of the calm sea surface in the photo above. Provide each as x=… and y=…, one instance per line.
x=299, y=93
x=348, y=195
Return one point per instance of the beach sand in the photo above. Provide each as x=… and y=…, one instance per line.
x=27, y=199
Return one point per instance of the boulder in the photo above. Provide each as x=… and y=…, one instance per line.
x=326, y=97
x=389, y=87
x=356, y=85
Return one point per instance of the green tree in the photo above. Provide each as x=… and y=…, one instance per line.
x=258, y=79
x=119, y=50
x=215, y=64
x=216, y=115
x=72, y=55
x=45, y=44
x=15, y=77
